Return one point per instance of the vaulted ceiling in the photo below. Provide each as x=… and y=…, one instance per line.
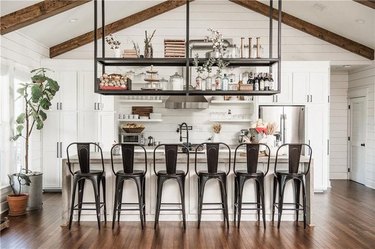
x=347, y=18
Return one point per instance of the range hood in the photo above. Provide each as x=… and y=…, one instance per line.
x=186, y=102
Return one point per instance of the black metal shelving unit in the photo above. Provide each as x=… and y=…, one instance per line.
x=187, y=62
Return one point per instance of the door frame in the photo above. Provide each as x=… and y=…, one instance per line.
x=360, y=92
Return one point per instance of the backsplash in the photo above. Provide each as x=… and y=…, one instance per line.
x=201, y=120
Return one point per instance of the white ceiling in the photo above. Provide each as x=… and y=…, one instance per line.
x=345, y=17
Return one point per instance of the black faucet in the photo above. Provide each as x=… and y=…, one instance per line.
x=180, y=128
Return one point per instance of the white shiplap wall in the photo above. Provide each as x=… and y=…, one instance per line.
x=338, y=124
x=234, y=22
x=365, y=79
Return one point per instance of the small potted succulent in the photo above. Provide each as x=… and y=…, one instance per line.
x=17, y=201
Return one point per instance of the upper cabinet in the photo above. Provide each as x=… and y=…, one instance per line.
x=218, y=52
x=310, y=88
x=66, y=97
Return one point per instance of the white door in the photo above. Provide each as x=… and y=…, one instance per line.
x=106, y=130
x=285, y=97
x=87, y=99
x=68, y=90
x=318, y=82
x=300, y=87
x=357, y=139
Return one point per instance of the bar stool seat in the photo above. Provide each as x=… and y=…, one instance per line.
x=80, y=176
x=244, y=172
x=286, y=173
x=135, y=172
x=178, y=172
x=205, y=172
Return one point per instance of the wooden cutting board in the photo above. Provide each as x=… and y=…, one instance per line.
x=142, y=110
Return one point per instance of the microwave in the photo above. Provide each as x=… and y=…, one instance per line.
x=132, y=138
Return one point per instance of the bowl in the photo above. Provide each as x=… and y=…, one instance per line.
x=133, y=130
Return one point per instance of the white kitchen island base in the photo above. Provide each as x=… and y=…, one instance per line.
x=171, y=191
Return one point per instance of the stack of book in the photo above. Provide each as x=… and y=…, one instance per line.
x=130, y=53
x=174, y=48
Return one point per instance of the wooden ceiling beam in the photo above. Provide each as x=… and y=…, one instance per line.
x=368, y=3
x=310, y=29
x=35, y=13
x=116, y=26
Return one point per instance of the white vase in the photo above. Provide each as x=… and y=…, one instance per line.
x=216, y=138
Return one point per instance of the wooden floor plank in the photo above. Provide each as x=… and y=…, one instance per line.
x=344, y=218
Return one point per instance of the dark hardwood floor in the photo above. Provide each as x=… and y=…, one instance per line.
x=344, y=217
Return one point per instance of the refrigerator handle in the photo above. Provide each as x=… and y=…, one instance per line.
x=282, y=129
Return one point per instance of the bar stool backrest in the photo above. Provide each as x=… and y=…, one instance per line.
x=295, y=150
x=212, y=150
x=171, y=158
x=252, y=155
x=127, y=152
x=294, y=157
x=83, y=153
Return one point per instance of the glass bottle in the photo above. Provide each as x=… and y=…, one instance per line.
x=209, y=82
x=266, y=82
x=203, y=84
x=271, y=83
x=225, y=83
x=198, y=82
x=261, y=82
x=218, y=82
x=256, y=83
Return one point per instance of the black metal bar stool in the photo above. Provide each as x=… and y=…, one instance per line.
x=251, y=172
x=281, y=177
x=212, y=172
x=171, y=172
x=129, y=173
x=85, y=173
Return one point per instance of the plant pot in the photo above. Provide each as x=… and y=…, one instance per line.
x=17, y=204
x=35, y=191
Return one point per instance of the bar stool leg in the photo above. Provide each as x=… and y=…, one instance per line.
x=261, y=185
x=297, y=186
x=81, y=187
x=140, y=199
x=97, y=199
x=235, y=198
x=104, y=198
x=241, y=183
x=225, y=200
x=275, y=181
x=115, y=206
x=304, y=204
x=281, y=200
x=222, y=198
x=202, y=183
x=144, y=198
x=257, y=190
x=160, y=182
x=181, y=183
x=75, y=181
x=119, y=198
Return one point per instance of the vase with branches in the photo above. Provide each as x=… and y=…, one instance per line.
x=148, y=53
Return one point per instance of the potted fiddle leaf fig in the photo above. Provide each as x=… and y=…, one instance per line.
x=17, y=201
x=37, y=96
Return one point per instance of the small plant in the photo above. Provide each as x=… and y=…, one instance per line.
x=216, y=127
x=199, y=69
x=217, y=41
x=22, y=178
x=112, y=42
x=148, y=39
x=37, y=97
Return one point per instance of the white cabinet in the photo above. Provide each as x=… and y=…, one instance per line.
x=88, y=100
x=59, y=131
x=317, y=138
x=310, y=87
x=66, y=98
x=285, y=97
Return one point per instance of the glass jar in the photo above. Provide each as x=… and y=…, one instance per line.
x=209, y=83
x=218, y=82
x=164, y=84
x=176, y=82
x=198, y=82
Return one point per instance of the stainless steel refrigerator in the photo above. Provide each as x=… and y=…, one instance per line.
x=290, y=122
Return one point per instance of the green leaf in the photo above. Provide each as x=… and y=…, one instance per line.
x=42, y=115
x=21, y=90
x=19, y=129
x=36, y=93
x=14, y=138
x=39, y=124
x=21, y=118
x=45, y=103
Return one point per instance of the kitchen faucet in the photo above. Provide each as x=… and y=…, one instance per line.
x=180, y=128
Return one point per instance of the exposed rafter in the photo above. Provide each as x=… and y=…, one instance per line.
x=368, y=3
x=35, y=13
x=310, y=29
x=116, y=26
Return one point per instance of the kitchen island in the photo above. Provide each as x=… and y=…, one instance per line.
x=171, y=194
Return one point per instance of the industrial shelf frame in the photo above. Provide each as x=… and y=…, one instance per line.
x=184, y=62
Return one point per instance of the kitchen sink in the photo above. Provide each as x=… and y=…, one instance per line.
x=192, y=148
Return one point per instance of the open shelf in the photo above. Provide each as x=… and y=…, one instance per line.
x=141, y=101
x=231, y=102
x=141, y=120
x=190, y=92
x=231, y=120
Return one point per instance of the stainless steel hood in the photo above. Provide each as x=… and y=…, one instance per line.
x=186, y=102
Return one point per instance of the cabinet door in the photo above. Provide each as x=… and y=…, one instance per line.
x=106, y=130
x=318, y=88
x=51, y=150
x=266, y=99
x=68, y=130
x=88, y=100
x=285, y=97
x=68, y=90
x=300, y=87
x=88, y=126
x=107, y=103
x=315, y=126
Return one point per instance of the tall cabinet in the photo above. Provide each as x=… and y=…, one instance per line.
x=307, y=83
x=77, y=114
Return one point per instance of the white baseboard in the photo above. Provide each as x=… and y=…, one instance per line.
x=338, y=176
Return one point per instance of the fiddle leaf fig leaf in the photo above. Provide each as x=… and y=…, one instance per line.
x=19, y=129
x=39, y=124
x=45, y=103
x=36, y=93
x=21, y=90
x=42, y=115
x=21, y=118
